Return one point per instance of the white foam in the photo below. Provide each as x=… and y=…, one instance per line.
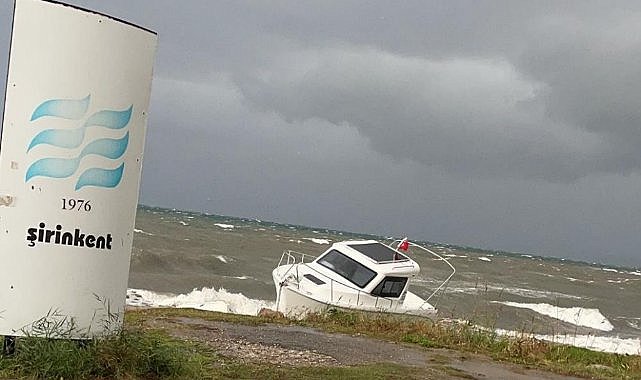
x=528, y=256
x=142, y=232
x=483, y=258
x=318, y=241
x=575, y=315
x=635, y=273
x=609, y=270
x=521, y=292
x=183, y=222
x=225, y=226
x=454, y=255
x=222, y=258
x=572, y=279
x=208, y=299
x=613, y=344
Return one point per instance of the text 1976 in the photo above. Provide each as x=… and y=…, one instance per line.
x=76, y=204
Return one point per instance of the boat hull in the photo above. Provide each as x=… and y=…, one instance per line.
x=294, y=304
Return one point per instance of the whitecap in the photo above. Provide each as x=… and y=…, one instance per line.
x=318, y=241
x=521, y=292
x=610, y=270
x=572, y=279
x=613, y=344
x=142, y=232
x=208, y=299
x=222, y=258
x=575, y=315
x=225, y=226
x=483, y=258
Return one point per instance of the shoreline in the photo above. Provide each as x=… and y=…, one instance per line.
x=338, y=340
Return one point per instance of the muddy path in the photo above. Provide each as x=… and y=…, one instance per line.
x=303, y=346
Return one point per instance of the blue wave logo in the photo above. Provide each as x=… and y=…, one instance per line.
x=76, y=109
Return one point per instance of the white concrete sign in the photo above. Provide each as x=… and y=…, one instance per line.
x=71, y=154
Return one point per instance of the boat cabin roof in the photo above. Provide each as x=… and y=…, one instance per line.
x=377, y=251
x=375, y=256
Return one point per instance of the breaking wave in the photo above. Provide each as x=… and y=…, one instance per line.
x=208, y=299
x=575, y=315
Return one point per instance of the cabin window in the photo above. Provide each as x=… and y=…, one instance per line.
x=314, y=279
x=390, y=287
x=348, y=268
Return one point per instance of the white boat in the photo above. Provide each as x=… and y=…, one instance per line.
x=361, y=275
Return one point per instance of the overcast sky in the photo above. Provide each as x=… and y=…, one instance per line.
x=503, y=125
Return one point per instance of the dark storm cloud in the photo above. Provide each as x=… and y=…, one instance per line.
x=507, y=125
x=551, y=93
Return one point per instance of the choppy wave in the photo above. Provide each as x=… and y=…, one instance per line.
x=318, y=241
x=223, y=259
x=575, y=315
x=521, y=292
x=208, y=299
x=143, y=232
x=613, y=344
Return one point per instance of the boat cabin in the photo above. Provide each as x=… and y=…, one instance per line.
x=368, y=265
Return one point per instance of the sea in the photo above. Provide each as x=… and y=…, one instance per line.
x=194, y=260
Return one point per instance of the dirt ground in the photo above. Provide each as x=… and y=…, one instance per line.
x=301, y=346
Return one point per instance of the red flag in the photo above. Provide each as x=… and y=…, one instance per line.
x=404, y=244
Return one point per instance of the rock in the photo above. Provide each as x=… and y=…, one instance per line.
x=600, y=366
x=269, y=313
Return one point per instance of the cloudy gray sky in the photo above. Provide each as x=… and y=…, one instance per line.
x=512, y=125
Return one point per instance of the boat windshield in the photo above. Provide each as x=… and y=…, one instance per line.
x=348, y=268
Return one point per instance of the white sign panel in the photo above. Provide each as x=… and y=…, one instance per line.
x=70, y=161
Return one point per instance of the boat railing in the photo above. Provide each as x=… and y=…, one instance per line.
x=441, y=258
x=292, y=258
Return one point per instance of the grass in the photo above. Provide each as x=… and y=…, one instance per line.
x=139, y=352
x=129, y=354
x=237, y=370
x=468, y=338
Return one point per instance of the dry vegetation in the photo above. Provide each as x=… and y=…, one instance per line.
x=145, y=351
